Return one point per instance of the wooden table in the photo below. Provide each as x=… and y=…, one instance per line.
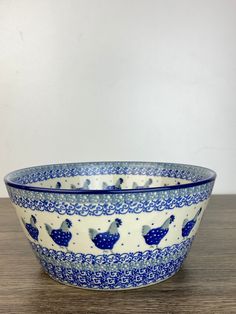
x=206, y=283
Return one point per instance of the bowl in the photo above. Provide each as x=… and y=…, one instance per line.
x=110, y=225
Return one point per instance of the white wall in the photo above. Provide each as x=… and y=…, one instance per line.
x=118, y=80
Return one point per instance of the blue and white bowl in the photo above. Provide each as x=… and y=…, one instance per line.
x=110, y=225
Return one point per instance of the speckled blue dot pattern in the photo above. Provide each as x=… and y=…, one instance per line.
x=105, y=240
x=155, y=235
x=33, y=231
x=187, y=228
x=60, y=237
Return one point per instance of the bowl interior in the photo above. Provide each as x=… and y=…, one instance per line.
x=106, y=182
x=109, y=175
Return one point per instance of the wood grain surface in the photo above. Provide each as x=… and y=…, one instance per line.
x=206, y=283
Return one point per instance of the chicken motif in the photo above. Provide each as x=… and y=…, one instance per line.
x=155, y=235
x=117, y=185
x=58, y=185
x=31, y=227
x=189, y=224
x=106, y=240
x=146, y=185
x=85, y=186
x=61, y=236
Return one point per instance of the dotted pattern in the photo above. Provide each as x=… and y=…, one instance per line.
x=33, y=231
x=60, y=237
x=105, y=240
x=188, y=227
x=154, y=236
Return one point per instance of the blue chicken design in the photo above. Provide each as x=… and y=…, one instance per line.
x=31, y=227
x=85, y=185
x=117, y=185
x=189, y=224
x=155, y=235
x=106, y=240
x=146, y=184
x=61, y=236
x=58, y=185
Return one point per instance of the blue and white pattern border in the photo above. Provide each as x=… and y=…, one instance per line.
x=105, y=204
x=114, y=271
x=41, y=173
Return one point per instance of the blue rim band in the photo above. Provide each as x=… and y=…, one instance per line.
x=10, y=183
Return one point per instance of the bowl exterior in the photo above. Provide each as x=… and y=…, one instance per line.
x=111, y=241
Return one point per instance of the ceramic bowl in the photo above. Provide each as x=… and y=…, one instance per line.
x=110, y=225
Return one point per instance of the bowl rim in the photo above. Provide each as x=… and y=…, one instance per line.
x=9, y=182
